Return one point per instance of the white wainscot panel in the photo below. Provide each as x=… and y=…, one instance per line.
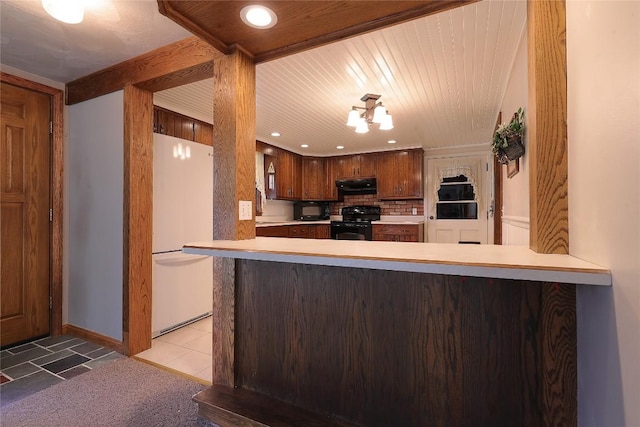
x=515, y=230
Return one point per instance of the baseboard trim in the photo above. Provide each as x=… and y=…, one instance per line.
x=94, y=337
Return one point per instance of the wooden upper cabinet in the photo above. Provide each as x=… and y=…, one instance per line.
x=400, y=174
x=288, y=176
x=331, y=174
x=173, y=124
x=313, y=178
x=357, y=166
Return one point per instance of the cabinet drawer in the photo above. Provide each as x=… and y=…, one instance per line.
x=396, y=229
x=301, y=231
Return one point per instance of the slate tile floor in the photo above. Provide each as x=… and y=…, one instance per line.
x=31, y=367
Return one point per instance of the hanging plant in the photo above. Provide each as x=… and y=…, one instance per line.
x=507, y=140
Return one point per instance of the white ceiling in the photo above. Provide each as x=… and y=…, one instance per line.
x=442, y=77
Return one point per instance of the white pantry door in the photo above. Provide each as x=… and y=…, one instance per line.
x=442, y=229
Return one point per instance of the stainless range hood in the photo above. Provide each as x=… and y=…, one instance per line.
x=357, y=186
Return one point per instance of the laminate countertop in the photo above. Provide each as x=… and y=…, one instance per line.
x=493, y=261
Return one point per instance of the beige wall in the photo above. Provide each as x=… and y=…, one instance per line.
x=515, y=212
x=603, y=75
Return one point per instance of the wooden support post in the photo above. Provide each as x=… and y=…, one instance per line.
x=137, y=221
x=547, y=127
x=234, y=181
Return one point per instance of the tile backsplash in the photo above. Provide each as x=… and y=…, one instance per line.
x=389, y=207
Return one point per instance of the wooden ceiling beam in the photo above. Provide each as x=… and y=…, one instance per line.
x=179, y=63
x=302, y=25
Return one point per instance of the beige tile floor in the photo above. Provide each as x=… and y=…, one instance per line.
x=186, y=350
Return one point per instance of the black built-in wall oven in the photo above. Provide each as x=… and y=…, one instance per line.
x=356, y=223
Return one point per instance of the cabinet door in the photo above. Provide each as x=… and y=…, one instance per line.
x=365, y=165
x=387, y=175
x=299, y=231
x=400, y=175
x=288, y=176
x=313, y=179
x=296, y=176
x=323, y=231
x=283, y=175
x=344, y=167
x=330, y=191
x=410, y=173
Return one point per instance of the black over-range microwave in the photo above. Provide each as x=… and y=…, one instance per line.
x=311, y=211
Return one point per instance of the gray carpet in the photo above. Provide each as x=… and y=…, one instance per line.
x=121, y=393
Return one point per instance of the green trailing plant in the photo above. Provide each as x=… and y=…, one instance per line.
x=507, y=136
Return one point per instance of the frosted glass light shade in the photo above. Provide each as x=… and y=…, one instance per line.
x=378, y=114
x=353, y=118
x=387, y=122
x=363, y=126
x=68, y=11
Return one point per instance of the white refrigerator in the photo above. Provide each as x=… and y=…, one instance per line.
x=182, y=289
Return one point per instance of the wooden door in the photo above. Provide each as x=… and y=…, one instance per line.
x=24, y=214
x=447, y=230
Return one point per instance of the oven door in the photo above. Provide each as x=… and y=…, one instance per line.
x=342, y=230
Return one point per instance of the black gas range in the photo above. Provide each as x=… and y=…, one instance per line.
x=356, y=223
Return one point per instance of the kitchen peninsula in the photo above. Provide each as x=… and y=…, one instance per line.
x=411, y=334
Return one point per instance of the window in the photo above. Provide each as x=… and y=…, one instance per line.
x=456, y=199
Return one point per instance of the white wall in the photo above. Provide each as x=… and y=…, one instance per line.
x=603, y=75
x=94, y=201
x=515, y=198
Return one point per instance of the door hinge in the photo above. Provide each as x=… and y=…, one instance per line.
x=50, y=127
x=50, y=215
x=50, y=303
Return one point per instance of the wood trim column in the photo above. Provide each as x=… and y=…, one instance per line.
x=137, y=222
x=547, y=127
x=234, y=175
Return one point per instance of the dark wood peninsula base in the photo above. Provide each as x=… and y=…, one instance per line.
x=392, y=348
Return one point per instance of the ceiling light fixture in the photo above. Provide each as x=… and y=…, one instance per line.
x=275, y=133
x=68, y=11
x=373, y=112
x=258, y=16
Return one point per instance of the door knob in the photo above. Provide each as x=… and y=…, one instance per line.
x=431, y=217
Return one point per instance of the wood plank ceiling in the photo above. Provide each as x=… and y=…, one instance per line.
x=442, y=77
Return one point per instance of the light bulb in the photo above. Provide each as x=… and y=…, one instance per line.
x=353, y=118
x=387, y=122
x=378, y=114
x=363, y=126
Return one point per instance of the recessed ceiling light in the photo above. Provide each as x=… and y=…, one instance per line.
x=258, y=16
x=339, y=147
x=304, y=145
x=391, y=141
x=275, y=133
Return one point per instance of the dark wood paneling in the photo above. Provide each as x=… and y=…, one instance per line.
x=179, y=63
x=547, y=127
x=137, y=221
x=384, y=348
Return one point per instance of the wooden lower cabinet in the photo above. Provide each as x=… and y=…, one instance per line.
x=398, y=232
x=303, y=231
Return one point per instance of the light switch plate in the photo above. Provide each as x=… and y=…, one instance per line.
x=245, y=210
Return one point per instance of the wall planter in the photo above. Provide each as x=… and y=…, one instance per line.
x=507, y=140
